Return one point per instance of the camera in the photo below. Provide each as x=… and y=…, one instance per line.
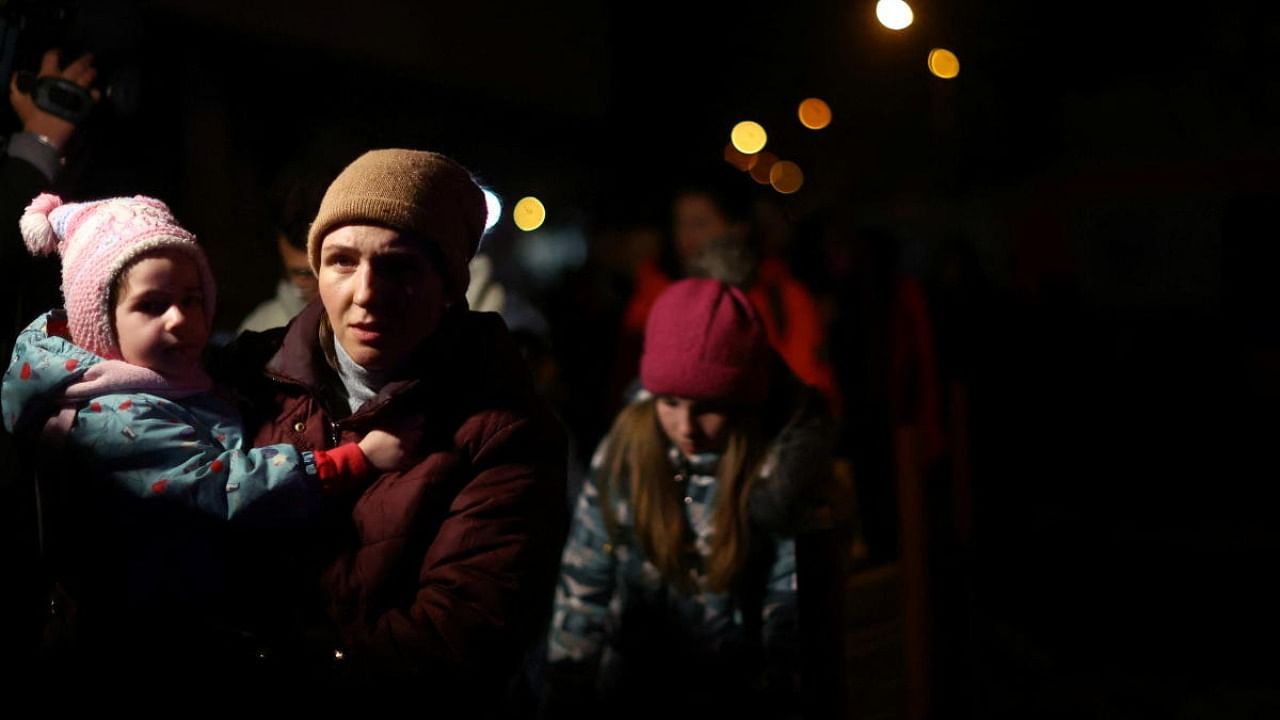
x=56, y=96
x=108, y=28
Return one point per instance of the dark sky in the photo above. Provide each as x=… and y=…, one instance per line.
x=564, y=94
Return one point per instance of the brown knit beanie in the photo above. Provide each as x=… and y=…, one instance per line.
x=414, y=191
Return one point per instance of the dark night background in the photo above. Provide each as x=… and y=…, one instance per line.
x=1106, y=173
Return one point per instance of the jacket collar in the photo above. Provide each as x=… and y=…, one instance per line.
x=300, y=359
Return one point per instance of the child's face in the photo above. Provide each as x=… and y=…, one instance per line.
x=693, y=426
x=159, y=314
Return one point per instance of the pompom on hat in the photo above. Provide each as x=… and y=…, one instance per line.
x=415, y=191
x=97, y=241
x=705, y=341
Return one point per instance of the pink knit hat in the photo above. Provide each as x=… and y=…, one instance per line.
x=705, y=341
x=97, y=240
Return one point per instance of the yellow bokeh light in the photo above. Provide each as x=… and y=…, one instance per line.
x=764, y=164
x=894, y=14
x=815, y=114
x=786, y=177
x=749, y=137
x=944, y=63
x=529, y=214
x=738, y=159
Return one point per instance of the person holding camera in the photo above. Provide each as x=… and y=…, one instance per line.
x=30, y=163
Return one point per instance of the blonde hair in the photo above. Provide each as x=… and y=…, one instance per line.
x=325, y=333
x=636, y=454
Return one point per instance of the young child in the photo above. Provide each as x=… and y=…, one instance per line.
x=120, y=372
x=141, y=462
x=675, y=596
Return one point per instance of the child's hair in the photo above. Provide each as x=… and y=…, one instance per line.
x=636, y=463
x=98, y=241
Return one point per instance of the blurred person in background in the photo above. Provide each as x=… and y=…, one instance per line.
x=678, y=587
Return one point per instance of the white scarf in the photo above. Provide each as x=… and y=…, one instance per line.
x=362, y=384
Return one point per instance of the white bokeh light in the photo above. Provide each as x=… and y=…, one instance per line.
x=493, y=209
x=894, y=14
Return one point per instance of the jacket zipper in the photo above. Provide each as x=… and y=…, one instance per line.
x=334, y=431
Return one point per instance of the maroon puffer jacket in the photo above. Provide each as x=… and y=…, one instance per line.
x=445, y=570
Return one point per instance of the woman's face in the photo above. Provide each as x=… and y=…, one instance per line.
x=694, y=426
x=159, y=314
x=382, y=292
x=697, y=221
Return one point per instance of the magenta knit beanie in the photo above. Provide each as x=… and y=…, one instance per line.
x=97, y=240
x=705, y=341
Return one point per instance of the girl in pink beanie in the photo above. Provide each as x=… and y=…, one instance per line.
x=132, y=435
x=670, y=578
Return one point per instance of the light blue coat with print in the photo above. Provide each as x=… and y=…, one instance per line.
x=140, y=439
x=605, y=577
